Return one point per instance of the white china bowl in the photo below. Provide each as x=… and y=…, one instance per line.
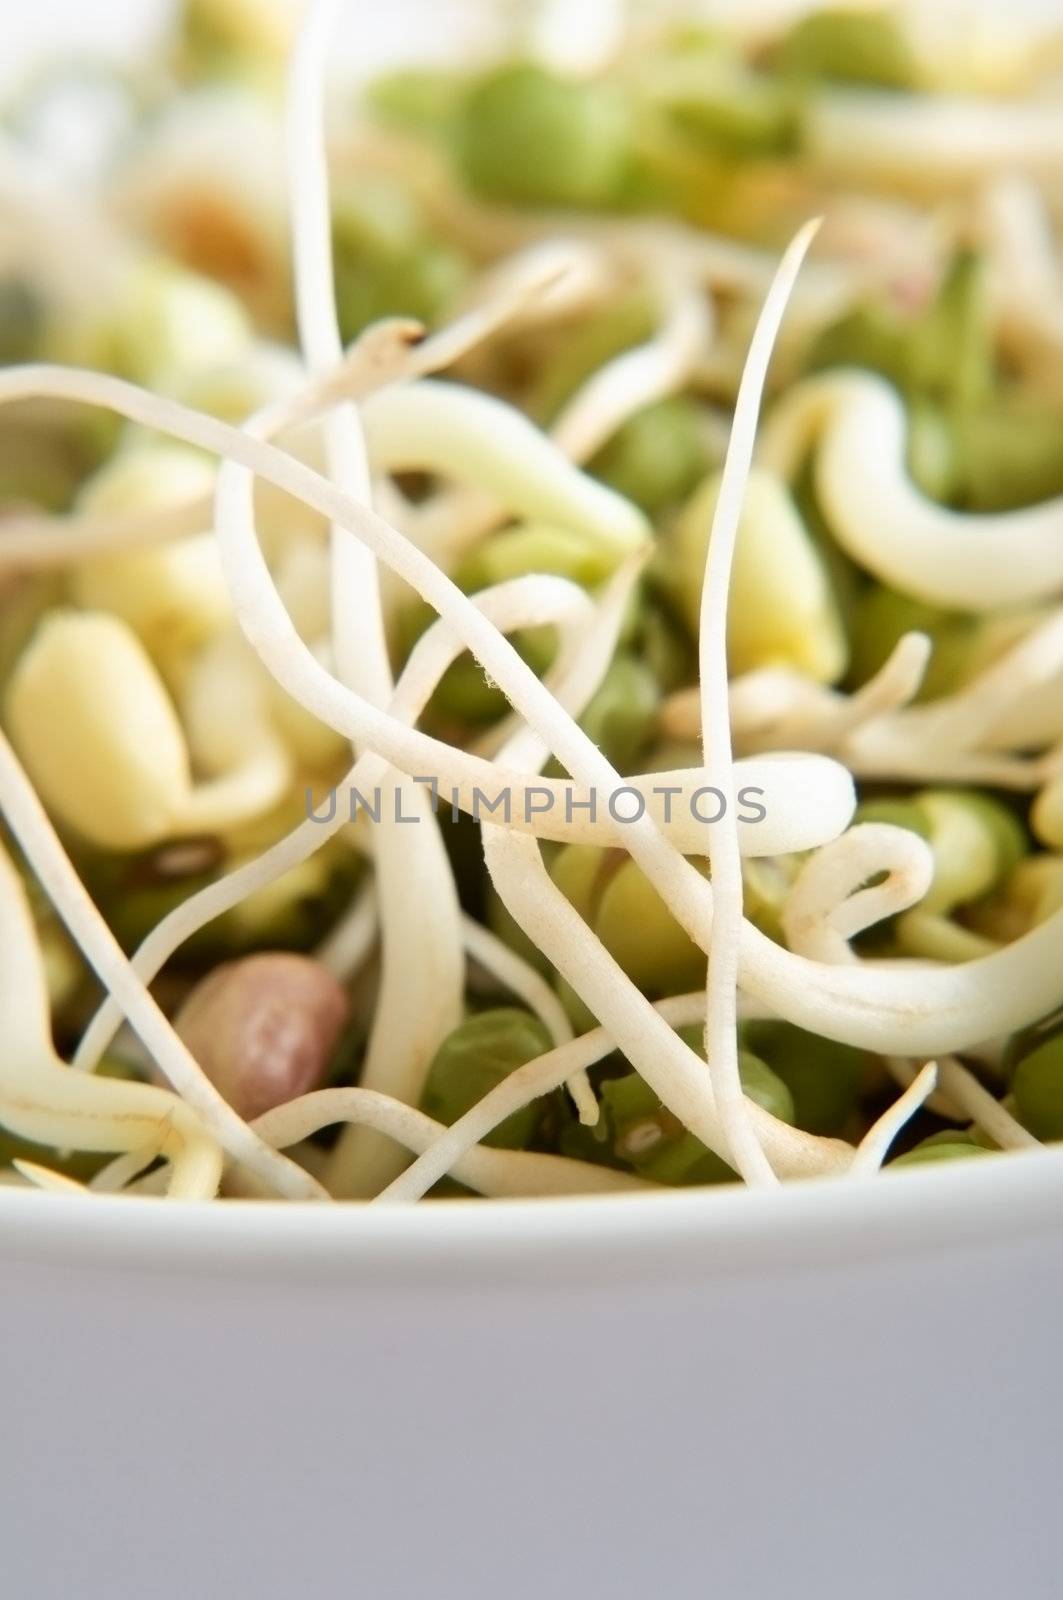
x=840, y=1390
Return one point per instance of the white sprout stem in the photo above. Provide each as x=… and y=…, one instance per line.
x=120, y=1172
x=517, y=975
x=515, y=864
x=536, y=280
x=967, y=1097
x=358, y=630
x=585, y=666
x=899, y=760
x=520, y=602
x=823, y=913
x=725, y=859
x=521, y=1088
x=522, y=979
x=422, y=972
x=1033, y=721
x=253, y=789
x=533, y=600
x=247, y=768
x=932, y=141
x=637, y=377
x=894, y=685
x=969, y=561
x=988, y=710
x=438, y=426
x=674, y=1071
x=776, y=708
x=902, y=1071
x=422, y=975
x=1026, y=282
x=499, y=1173
x=935, y=937
x=54, y=1182
x=387, y=352
x=514, y=972
x=40, y=844
x=347, y=948
x=984, y=1109
x=873, y=1148
x=808, y=799
x=42, y=1100
x=950, y=1009
x=570, y=647
x=827, y=907
x=897, y=764
x=39, y=543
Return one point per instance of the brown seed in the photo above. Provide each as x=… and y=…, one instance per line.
x=264, y=1028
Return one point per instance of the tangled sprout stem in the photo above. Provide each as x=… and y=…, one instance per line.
x=383, y=410
x=889, y=1010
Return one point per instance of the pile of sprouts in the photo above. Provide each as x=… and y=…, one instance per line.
x=199, y=661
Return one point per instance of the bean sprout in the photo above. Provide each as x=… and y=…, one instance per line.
x=884, y=523
x=953, y=1008
x=44, y=1101
x=872, y=1149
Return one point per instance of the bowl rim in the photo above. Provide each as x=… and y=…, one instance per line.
x=963, y=1205
x=723, y=1233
